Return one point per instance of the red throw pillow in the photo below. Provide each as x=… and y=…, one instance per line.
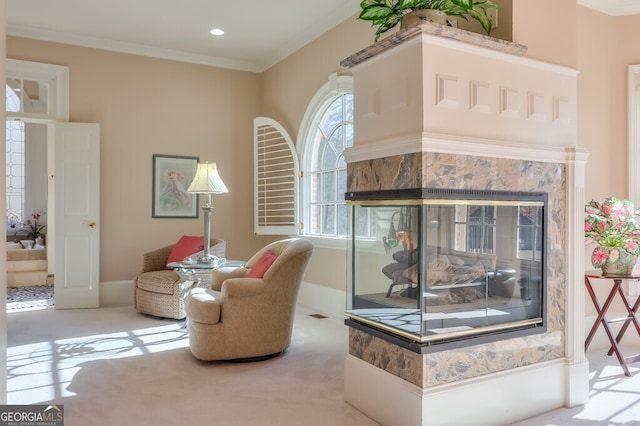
x=262, y=265
x=185, y=246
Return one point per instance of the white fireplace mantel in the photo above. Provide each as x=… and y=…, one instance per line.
x=422, y=84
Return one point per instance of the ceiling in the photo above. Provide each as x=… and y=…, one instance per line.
x=258, y=33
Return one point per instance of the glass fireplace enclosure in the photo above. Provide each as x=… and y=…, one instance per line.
x=433, y=267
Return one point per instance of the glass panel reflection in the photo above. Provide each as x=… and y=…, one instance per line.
x=437, y=270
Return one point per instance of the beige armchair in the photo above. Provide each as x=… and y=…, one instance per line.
x=157, y=291
x=248, y=318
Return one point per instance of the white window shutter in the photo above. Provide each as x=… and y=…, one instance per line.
x=276, y=174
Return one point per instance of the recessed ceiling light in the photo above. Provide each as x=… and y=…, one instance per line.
x=216, y=31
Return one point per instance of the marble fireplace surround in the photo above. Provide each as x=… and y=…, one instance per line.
x=505, y=123
x=438, y=170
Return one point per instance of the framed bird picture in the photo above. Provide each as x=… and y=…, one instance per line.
x=172, y=175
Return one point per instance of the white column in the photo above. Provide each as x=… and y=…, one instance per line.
x=577, y=390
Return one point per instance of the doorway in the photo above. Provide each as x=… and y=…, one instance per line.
x=72, y=157
x=29, y=272
x=36, y=95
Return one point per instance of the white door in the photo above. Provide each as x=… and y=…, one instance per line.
x=74, y=173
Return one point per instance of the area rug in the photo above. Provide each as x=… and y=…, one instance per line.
x=29, y=297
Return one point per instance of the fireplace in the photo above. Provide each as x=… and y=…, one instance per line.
x=434, y=268
x=464, y=161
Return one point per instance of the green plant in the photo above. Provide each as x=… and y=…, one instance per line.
x=31, y=226
x=387, y=13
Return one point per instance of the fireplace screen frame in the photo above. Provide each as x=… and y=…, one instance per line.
x=383, y=320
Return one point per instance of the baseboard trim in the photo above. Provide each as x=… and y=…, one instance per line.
x=116, y=294
x=320, y=299
x=324, y=300
x=489, y=399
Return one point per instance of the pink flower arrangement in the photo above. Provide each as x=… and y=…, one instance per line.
x=612, y=224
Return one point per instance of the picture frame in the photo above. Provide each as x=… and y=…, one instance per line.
x=172, y=175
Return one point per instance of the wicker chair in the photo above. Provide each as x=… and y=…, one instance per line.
x=157, y=291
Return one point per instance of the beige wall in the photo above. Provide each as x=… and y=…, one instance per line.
x=596, y=58
x=149, y=106
x=289, y=85
x=603, y=123
x=287, y=90
x=547, y=28
x=625, y=52
x=600, y=47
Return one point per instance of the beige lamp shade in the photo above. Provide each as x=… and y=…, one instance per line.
x=207, y=180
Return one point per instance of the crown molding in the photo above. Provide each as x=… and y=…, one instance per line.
x=613, y=7
x=348, y=10
x=318, y=28
x=130, y=48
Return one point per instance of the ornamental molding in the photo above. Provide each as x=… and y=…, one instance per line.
x=613, y=7
x=459, y=145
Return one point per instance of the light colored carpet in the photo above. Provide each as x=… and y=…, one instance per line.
x=113, y=366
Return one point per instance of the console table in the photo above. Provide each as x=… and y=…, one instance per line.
x=602, y=319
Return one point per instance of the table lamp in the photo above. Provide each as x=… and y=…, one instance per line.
x=207, y=181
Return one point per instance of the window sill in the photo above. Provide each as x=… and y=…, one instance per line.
x=327, y=242
x=342, y=243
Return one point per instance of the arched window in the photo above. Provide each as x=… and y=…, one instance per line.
x=37, y=94
x=326, y=131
